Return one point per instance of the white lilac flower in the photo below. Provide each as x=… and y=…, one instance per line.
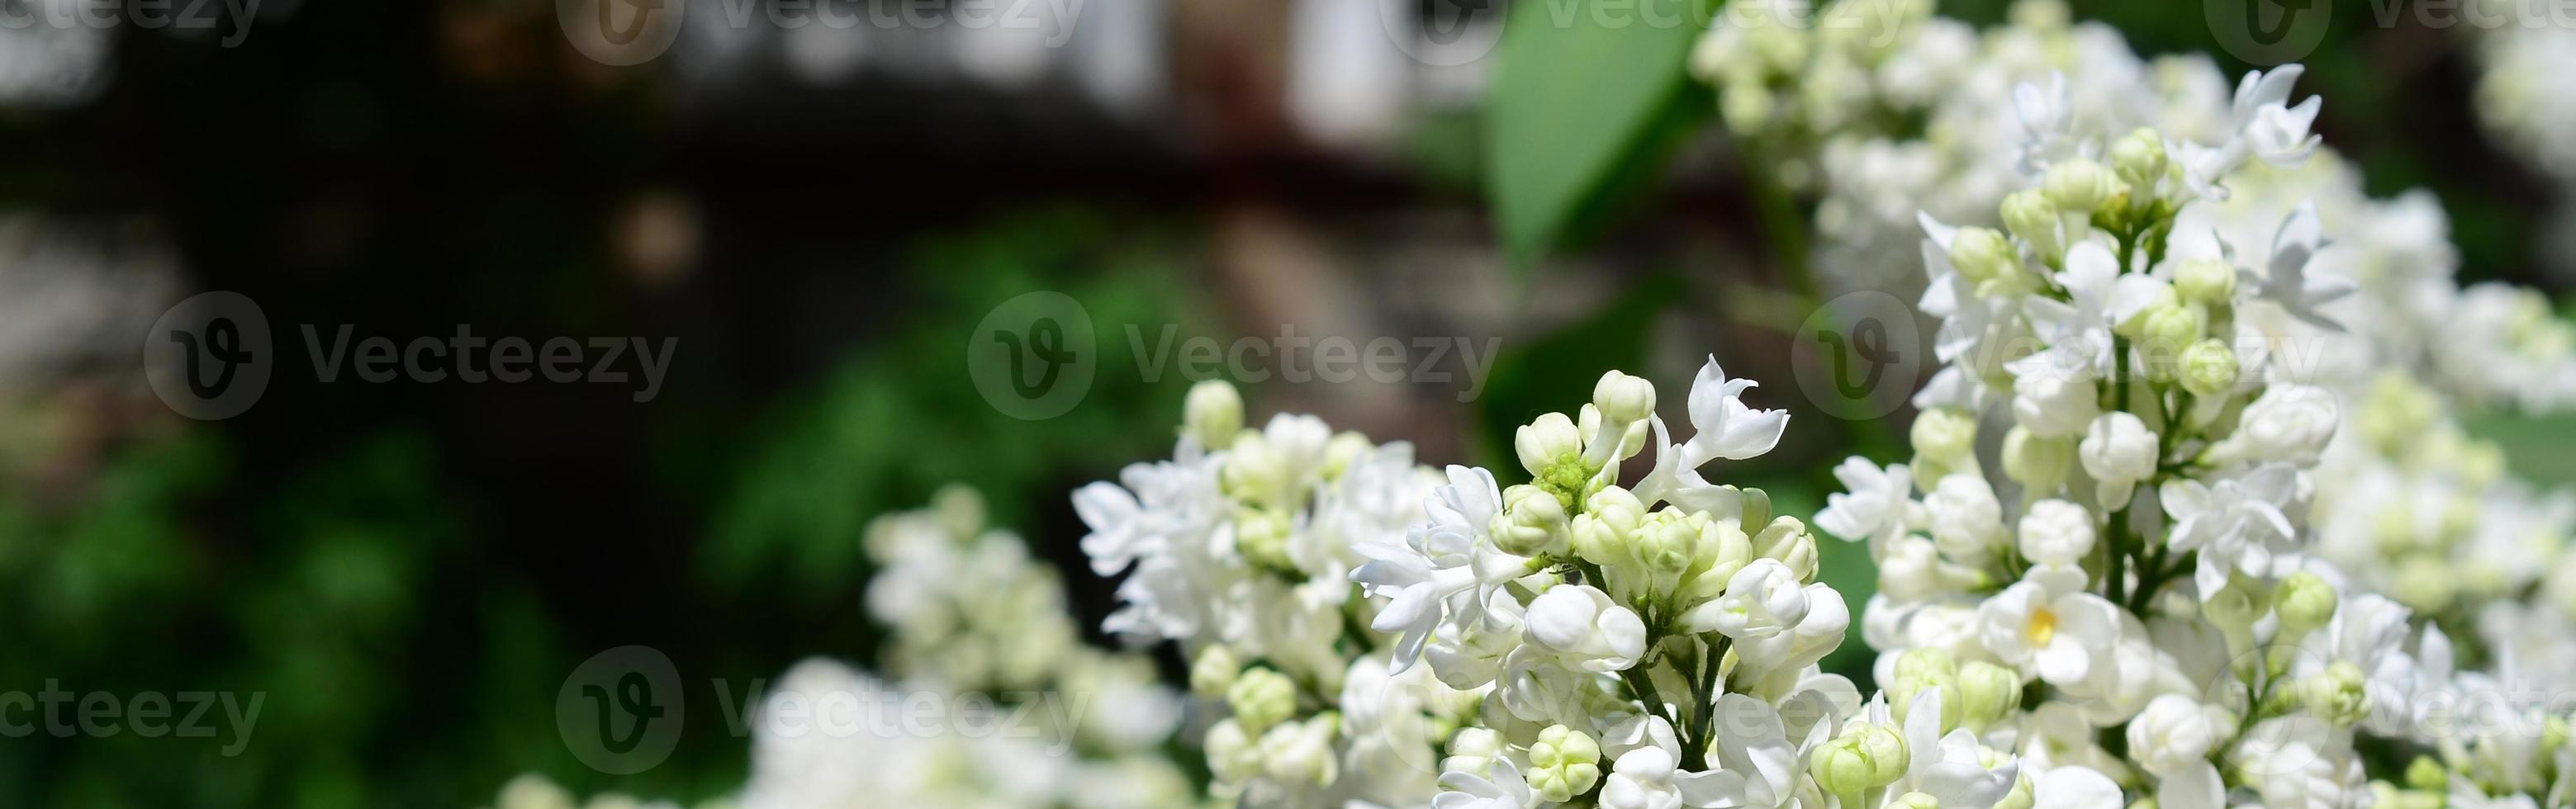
x=2051, y=628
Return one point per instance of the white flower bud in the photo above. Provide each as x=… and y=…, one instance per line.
x=1253, y=471
x=1543, y=443
x=2056, y=532
x=2304, y=601
x=1261, y=698
x=1214, y=671
x=1786, y=539
x=1762, y=600
x=1623, y=399
x=1212, y=413
x=1580, y=620
x=1943, y=434
x=2173, y=732
x=1564, y=762
x=2040, y=465
x=1473, y=750
x=2079, y=185
x=2289, y=423
x=1532, y=522
x=1231, y=755
x=2206, y=281
x=2209, y=368
x=1967, y=520
x=1864, y=757
x=1915, y=800
x=2054, y=405
x=2118, y=452
x=1301, y=752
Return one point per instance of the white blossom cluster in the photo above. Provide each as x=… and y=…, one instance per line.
x=976, y=622
x=990, y=700
x=2123, y=466
x=536, y=792
x=1240, y=548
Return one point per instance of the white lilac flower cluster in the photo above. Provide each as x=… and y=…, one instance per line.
x=993, y=700
x=1240, y=549
x=534, y=791
x=2122, y=464
x=1030, y=716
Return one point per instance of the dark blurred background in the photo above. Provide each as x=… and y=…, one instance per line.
x=820, y=218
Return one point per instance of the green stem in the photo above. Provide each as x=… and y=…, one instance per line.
x=1784, y=226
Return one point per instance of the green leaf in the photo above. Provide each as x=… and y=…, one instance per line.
x=1589, y=101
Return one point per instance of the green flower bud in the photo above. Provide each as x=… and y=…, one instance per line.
x=1944, y=434
x=2038, y=464
x=1925, y=662
x=1623, y=398
x=2337, y=695
x=1262, y=537
x=1214, y=671
x=2304, y=601
x=2428, y=775
x=1919, y=669
x=1532, y=522
x=1609, y=521
x=2209, y=368
x=2079, y=185
x=1746, y=106
x=1261, y=698
x=1988, y=693
x=2232, y=608
x=2139, y=158
x=1667, y=542
x=1472, y=750
x=1981, y=255
x=2020, y=797
x=2206, y=281
x=1914, y=800
x=1345, y=447
x=1864, y=757
x=2033, y=218
x=1301, y=752
x=1212, y=413
x=2171, y=328
x=1564, y=762
x=1723, y=549
x=1232, y=756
